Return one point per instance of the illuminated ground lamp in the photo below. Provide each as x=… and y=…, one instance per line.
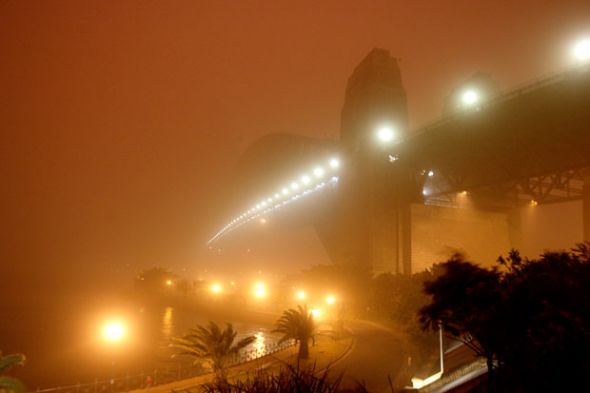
x=216, y=288
x=330, y=299
x=315, y=313
x=300, y=295
x=114, y=331
x=259, y=290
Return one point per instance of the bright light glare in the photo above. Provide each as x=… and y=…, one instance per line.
x=430, y=173
x=113, y=331
x=330, y=299
x=285, y=191
x=582, y=50
x=294, y=186
x=385, y=134
x=305, y=179
x=216, y=288
x=259, y=290
x=169, y=283
x=533, y=202
x=262, y=220
x=469, y=97
x=300, y=295
x=315, y=312
x=334, y=163
x=318, y=172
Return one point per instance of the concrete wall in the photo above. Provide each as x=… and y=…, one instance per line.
x=438, y=232
x=553, y=227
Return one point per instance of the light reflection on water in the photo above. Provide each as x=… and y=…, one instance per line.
x=259, y=345
x=167, y=325
x=175, y=323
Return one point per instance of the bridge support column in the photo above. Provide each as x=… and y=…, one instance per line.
x=586, y=205
x=405, y=238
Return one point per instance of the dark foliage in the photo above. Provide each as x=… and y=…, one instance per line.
x=290, y=379
x=531, y=321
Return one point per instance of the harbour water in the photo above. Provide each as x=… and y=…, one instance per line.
x=62, y=338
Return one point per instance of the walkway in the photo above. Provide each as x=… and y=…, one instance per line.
x=376, y=354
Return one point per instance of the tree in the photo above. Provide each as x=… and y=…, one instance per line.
x=10, y=384
x=212, y=345
x=548, y=310
x=155, y=280
x=530, y=321
x=466, y=301
x=297, y=324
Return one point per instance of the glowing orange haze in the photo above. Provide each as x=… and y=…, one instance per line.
x=121, y=120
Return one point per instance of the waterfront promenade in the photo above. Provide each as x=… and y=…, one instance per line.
x=327, y=352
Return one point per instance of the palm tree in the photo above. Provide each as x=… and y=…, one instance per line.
x=212, y=345
x=298, y=325
x=10, y=384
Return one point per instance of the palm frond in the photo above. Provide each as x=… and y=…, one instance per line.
x=16, y=359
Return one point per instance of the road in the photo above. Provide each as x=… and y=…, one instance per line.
x=377, y=353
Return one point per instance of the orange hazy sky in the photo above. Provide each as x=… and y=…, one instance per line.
x=120, y=120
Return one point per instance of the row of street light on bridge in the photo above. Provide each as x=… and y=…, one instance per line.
x=316, y=179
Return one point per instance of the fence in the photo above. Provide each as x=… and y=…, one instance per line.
x=163, y=375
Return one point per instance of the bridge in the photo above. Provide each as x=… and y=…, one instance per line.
x=398, y=200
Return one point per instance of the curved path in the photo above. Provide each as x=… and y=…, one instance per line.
x=377, y=353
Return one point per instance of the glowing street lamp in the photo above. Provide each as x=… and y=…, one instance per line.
x=315, y=312
x=300, y=295
x=469, y=98
x=318, y=172
x=385, y=135
x=581, y=50
x=259, y=290
x=330, y=299
x=334, y=163
x=216, y=288
x=169, y=283
x=114, y=331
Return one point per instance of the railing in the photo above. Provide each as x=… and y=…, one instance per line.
x=162, y=375
x=458, y=376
